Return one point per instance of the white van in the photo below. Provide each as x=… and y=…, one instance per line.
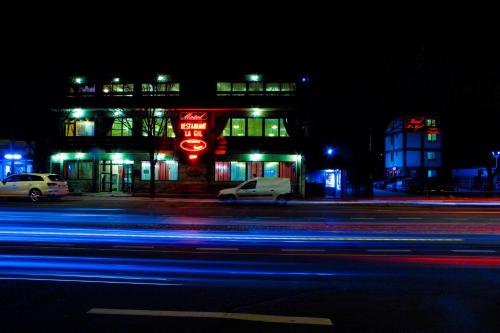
x=260, y=188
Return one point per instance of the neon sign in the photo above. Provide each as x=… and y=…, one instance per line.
x=415, y=123
x=193, y=126
x=193, y=145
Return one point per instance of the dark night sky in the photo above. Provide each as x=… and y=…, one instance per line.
x=364, y=76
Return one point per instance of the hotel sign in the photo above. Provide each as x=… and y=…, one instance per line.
x=193, y=128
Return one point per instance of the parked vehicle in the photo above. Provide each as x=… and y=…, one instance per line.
x=34, y=186
x=260, y=188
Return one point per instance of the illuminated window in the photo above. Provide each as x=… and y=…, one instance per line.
x=431, y=155
x=288, y=88
x=153, y=127
x=173, y=88
x=256, y=88
x=237, y=171
x=283, y=131
x=272, y=88
x=430, y=122
x=287, y=170
x=254, y=169
x=170, y=129
x=431, y=137
x=271, y=127
x=118, y=89
x=227, y=129
x=79, y=128
x=239, y=89
x=77, y=169
x=122, y=127
x=161, y=89
x=254, y=126
x=222, y=171
x=224, y=86
x=164, y=170
x=238, y=127
x=271, y=169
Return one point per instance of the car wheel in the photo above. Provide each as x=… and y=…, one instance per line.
x=35, y=195
x=231, y=197
x=281, y=199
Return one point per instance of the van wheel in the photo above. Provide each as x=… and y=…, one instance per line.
x=35, y=195
x=281, y=199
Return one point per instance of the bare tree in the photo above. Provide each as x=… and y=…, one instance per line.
x=153, y=124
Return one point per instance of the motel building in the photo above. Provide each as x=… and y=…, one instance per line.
x=205, y=135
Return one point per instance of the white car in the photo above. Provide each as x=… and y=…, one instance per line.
x=34, y=186
x=260, y=188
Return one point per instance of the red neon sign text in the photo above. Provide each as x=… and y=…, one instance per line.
x=193, y=145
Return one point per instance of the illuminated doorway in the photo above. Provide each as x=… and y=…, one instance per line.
x=115, y=177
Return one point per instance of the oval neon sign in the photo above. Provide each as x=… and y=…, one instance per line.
x=193, y=145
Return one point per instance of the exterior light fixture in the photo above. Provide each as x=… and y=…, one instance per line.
x=80, y=155
x=117, y=157
x=256, y=157
x=160, y=156
x=12, y=156
x=77, y=113
x=254, y=77
x=116, y=80
x=330, y=151
x=256, y=112
x=162, y=78
x=78, y=80
x=117, y=113
x=193, y=157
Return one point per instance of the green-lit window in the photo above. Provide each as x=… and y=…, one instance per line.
x=122, y=127
x=238, y=127
x=106, y=89
x=271, y=127
x=288, y=87
x=271, y=169
x=432, y=137
x=158, y=124
x=117, y=88
x=239, y=88
x=254, y=126
x=147, y=88
x=272, y=88
x=224, y=86
x=173, y=87
x=170, y=129
x=430, y=122
x=227, y=129
x=283, y=131
x=128, y=89
x=237, y=171
x=161, y=88
x=255, y=87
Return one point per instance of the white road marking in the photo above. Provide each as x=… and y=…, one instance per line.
x=475, y=251
x=389, y=250
x=216, y=315
x=303, y=250
x=217, y=249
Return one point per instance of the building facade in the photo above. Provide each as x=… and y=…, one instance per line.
x=15, y=157
x=200, y=135
x=413, y=147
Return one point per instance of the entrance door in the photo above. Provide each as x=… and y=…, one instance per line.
x=115, y=177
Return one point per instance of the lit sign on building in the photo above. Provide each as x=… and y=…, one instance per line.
x=193, y=127
x=415, y=123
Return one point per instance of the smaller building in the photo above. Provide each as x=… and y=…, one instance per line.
x=413, y=147
x=15, y=157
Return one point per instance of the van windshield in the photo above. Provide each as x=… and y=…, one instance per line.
x=249, y=185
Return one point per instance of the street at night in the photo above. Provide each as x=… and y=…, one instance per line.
x=101, y=263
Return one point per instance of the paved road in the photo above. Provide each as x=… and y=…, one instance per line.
x=210, y=267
